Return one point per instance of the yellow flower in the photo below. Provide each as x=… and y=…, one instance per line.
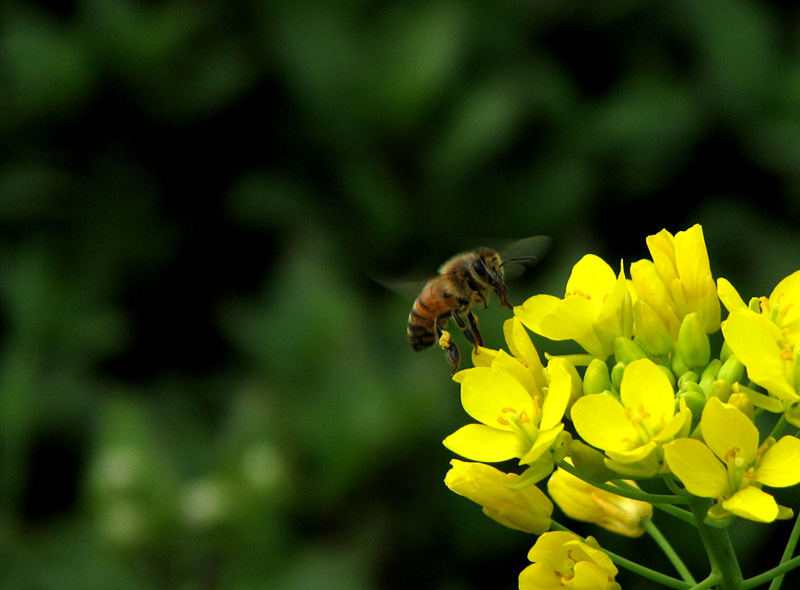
x=517, y=417
x=583, y=501
x=762, y=347
x=782, y=307
x=596, y=308
x=731, y=468
x=632, y=430
x=562, y=560
x=527, y=509
x=678, y=281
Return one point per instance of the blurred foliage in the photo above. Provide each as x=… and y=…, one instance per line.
x=201, y=386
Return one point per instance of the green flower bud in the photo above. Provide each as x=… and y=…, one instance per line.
x=693, y=344
x=720, y=389
x=626, y=350
x=590, y=462
x=710, y=374
x=651, y=332
x=695, y=401
x=687, y=386
x=731, y=370
x=627, y=320
x=616, y=375
x=678, y=366
x=596, y=378
x=725, y=353
x=744, y=403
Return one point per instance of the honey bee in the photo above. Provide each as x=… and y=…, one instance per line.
x=463, y=281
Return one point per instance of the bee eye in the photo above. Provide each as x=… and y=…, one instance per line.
x=480, y=269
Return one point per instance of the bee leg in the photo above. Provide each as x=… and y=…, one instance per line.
x=473, y=324
x=470, y=333
x=452, y=354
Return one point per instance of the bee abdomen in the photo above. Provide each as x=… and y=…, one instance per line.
x=420, y=333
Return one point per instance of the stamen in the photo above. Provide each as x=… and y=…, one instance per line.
x=578, y=293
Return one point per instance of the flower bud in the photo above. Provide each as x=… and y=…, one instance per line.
x=596, y=378
x=616, y=375
x=744, y=403
x=590, y=462
x=626, y=350
x=710, y=374
x=731, y=370
x=527, y=509
x=720, y=389
x=693, y=344
x=676, y=362
x=651, y=332
x=695, y=401
x=583, y=501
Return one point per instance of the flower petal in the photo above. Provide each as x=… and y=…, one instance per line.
x=534, y=309
x=601, y=421
x=558, y=394
x=725, y=429
x=729, y=295
x=754, y=341
x=691, y=258
x=780, y=464
x=753, y=504
x=539, y=576
x=645, y=386
x=486, y=393
x=482, y=443
x=521, y=346
x=787, y=294
x=697, y=467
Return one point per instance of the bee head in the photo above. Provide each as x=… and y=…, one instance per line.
x=489, y=270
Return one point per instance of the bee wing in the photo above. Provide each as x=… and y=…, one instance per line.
x=523, y=254
x=407, y=288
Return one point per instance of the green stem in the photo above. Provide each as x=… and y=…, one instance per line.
x=718, y=546
x=778, y=430
x=624, y=489
x=710, y=581
x=775, y=574
x=668, y=550
x=787, y=554
x=679, y=513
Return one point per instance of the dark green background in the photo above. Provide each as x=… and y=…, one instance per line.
x=201, y=386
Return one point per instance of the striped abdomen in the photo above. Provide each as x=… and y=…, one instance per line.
x=434, y=303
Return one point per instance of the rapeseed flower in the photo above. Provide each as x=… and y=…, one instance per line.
x=518, y=403
x=761, y=346
x=562, y=560
x=582, y=501
x=527, y=509
x=596, y=308
x=731, y=467
x=632, y=429
x=678, y=281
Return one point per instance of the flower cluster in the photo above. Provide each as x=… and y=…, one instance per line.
x=647, y=398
